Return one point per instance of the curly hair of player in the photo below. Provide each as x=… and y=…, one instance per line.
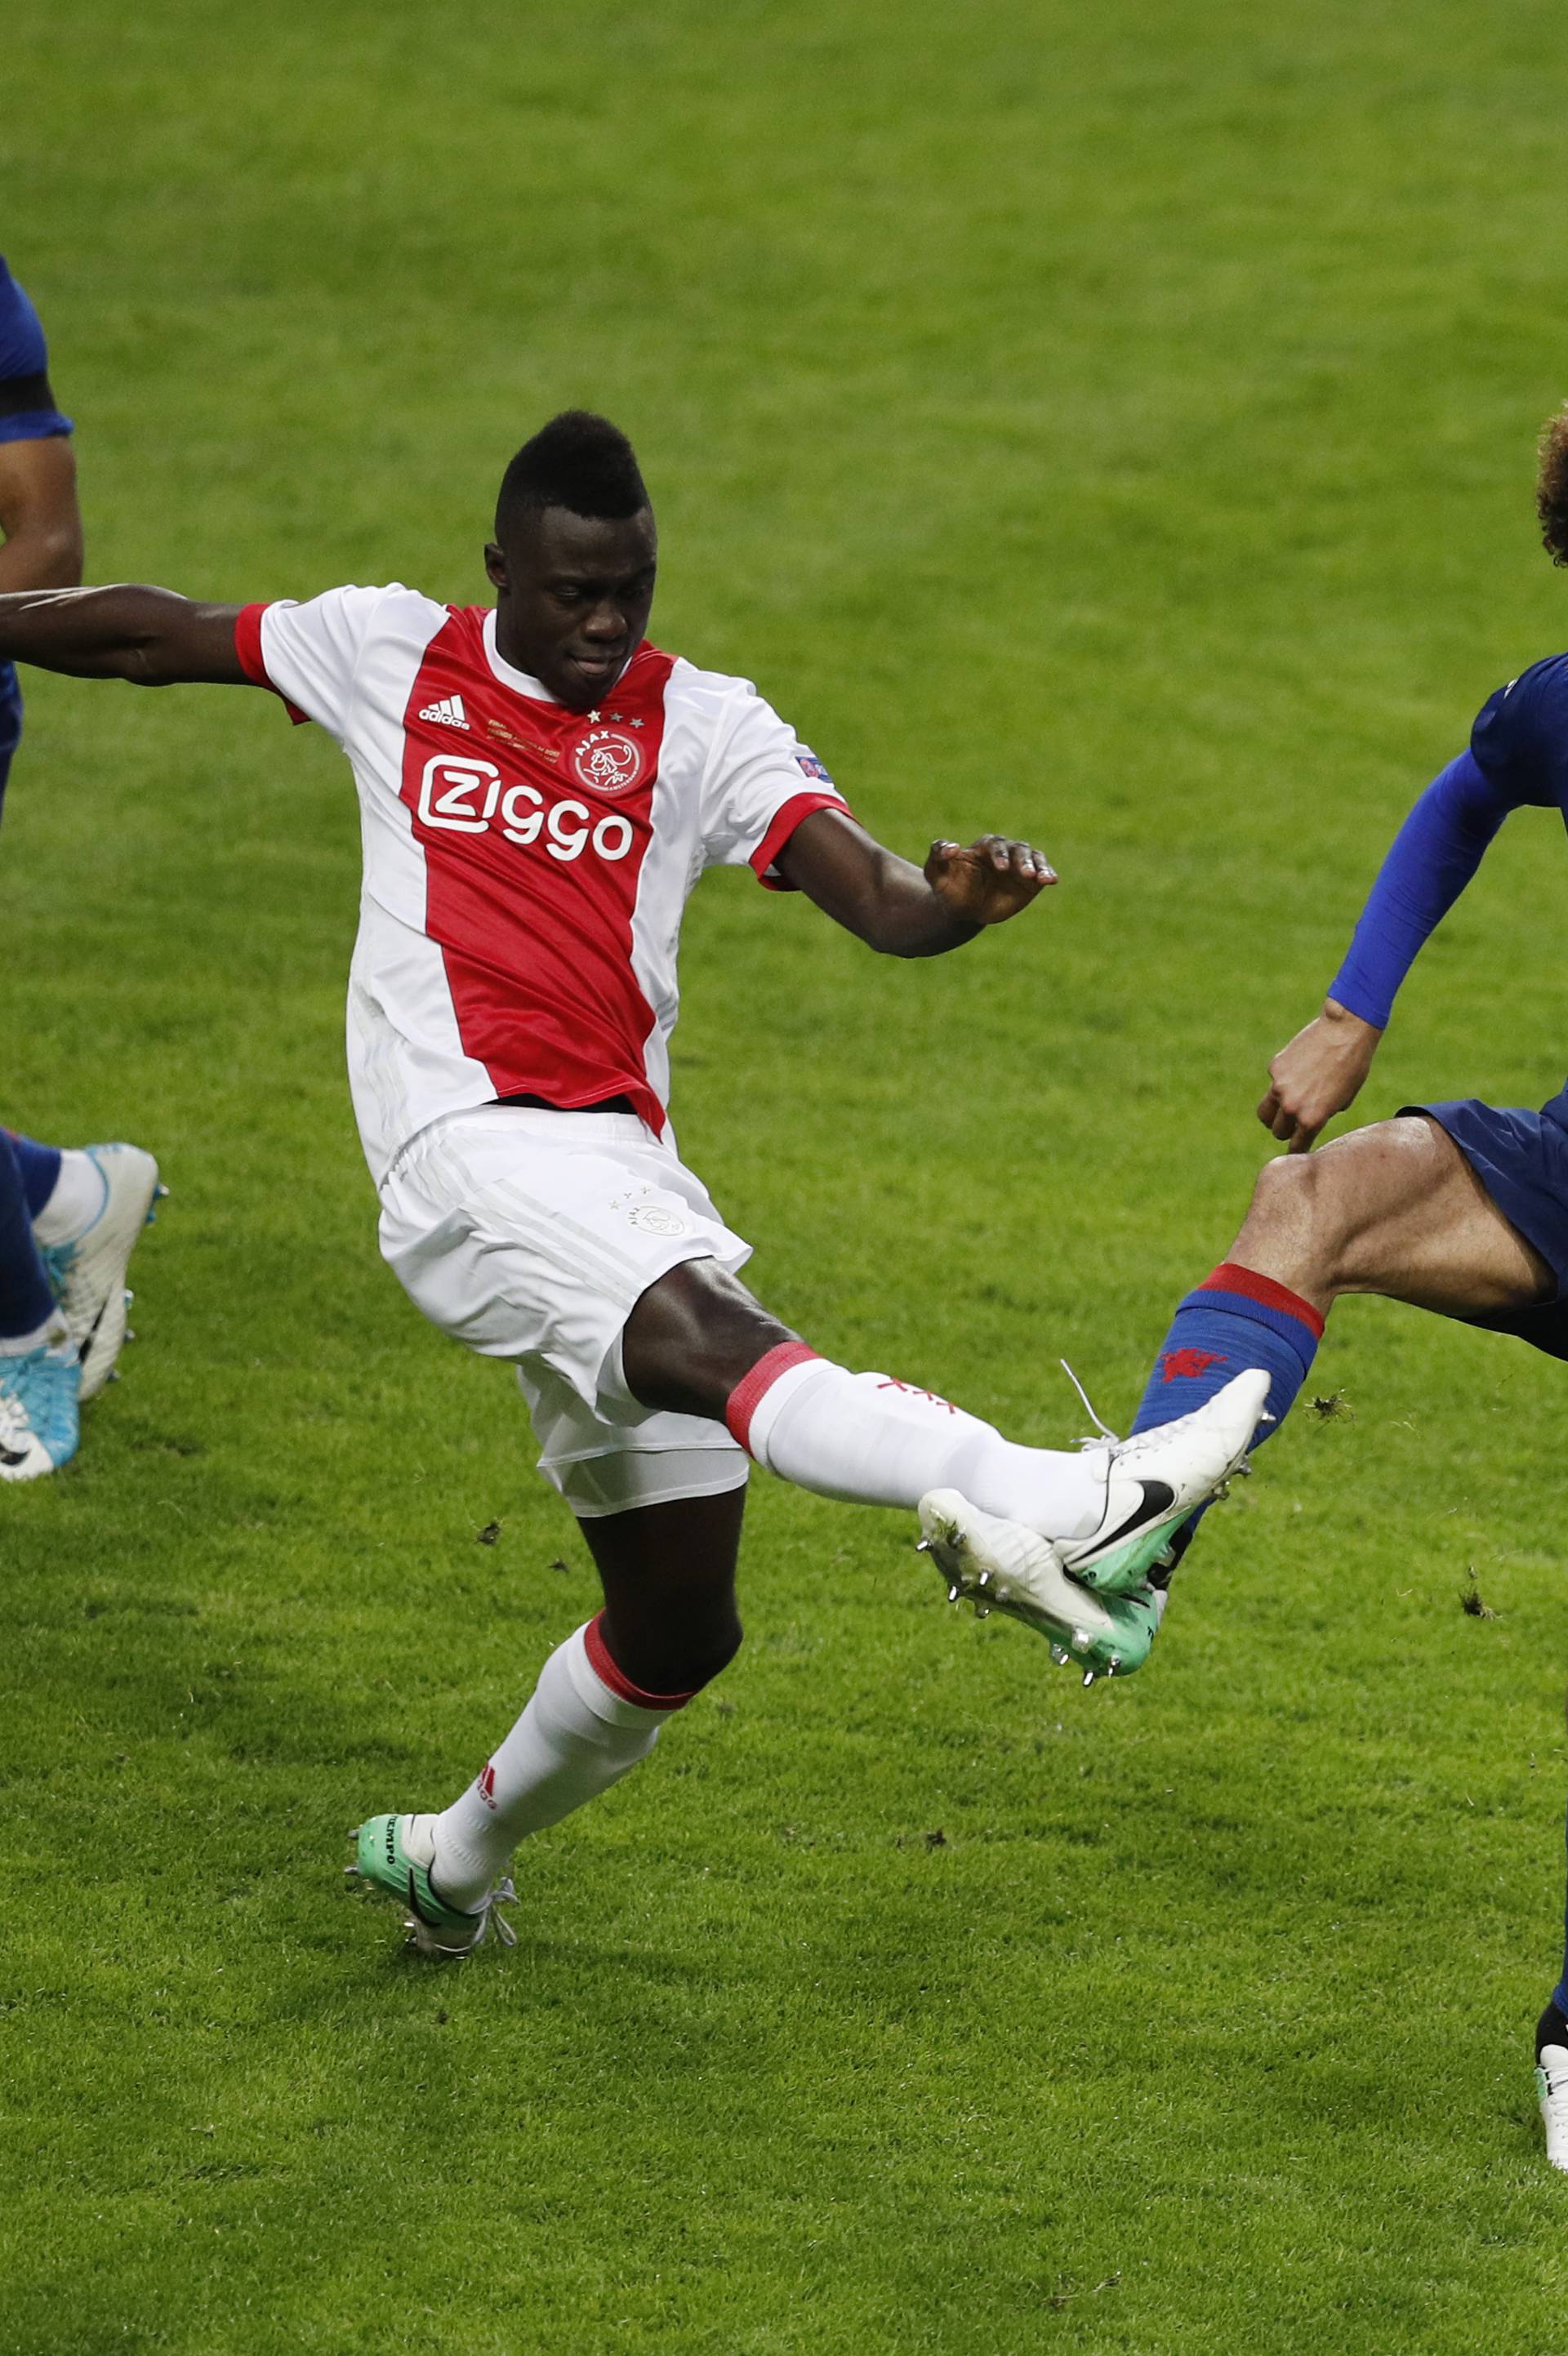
x=1552, y=486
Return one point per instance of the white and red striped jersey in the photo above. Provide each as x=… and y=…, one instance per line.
x=525, y=866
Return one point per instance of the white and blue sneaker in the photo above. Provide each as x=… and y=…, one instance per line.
x=1552, y=2094
x=86, y=1275
x=38, y=1391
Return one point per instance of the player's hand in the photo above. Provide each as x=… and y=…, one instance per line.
x=985, y=882
x=1317, y=1075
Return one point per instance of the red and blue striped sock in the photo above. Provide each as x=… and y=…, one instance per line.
x=1235, y=1319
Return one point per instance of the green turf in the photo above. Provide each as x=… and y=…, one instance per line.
x=1113, y=425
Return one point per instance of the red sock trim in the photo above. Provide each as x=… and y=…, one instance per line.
x=749, y=1394
x=1232, y=1276
x=605, y=1669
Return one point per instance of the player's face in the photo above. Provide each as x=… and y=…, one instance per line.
x=573, y=598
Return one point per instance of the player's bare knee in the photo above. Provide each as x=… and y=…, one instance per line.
x=1303, y=1217
x=695, y=1335
x=1286, y=1212
x=686, y=1657
x=713, y=1654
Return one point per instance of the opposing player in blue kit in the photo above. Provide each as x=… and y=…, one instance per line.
x=68, y=1219
x=1458, y=1207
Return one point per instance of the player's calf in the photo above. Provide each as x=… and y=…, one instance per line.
x=585, y=1725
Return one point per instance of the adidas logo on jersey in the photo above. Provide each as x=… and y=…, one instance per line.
x=448, y=711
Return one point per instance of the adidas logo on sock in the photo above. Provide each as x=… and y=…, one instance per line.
x=448, y=711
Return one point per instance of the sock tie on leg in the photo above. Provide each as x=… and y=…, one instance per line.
x=76, y=1201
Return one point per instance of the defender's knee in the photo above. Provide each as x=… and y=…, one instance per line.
x=1301, y=1217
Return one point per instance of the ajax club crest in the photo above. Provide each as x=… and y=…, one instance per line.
x=606, y=762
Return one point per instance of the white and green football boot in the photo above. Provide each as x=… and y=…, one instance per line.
x=1001, y=1566
x=86, y=1275
x=393, y=1857
x=1159, y=1477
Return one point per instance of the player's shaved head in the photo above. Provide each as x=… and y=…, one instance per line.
x=579, y=462
x=573, y=558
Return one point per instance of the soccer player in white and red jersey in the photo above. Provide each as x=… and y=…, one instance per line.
x=540, y=788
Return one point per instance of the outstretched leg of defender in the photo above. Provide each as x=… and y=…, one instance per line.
x=1396, y=1209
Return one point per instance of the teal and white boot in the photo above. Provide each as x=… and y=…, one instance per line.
x=1004, y=1566
x=1156, y=1480
x=392, y=1859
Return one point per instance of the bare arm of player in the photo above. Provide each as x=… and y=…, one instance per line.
x=38, y=515
x=901, y=909
x=147, y=635
x=1317, y=1075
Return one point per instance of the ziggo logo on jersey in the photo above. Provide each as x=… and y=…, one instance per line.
x=466, y=794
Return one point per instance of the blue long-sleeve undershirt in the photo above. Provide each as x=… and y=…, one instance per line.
x=1430, y=860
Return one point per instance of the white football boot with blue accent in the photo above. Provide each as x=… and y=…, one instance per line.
x=38, y=1391
x=1552, y=2094
x=88, y=1274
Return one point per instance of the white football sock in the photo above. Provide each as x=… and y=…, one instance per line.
x=575, y=1738
x=76, y=1200
x=874, y=1442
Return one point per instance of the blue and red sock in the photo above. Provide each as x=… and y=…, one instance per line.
x=26, y=1299
x=1235, y=1319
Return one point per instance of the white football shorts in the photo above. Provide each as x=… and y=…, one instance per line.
x=532, y=1236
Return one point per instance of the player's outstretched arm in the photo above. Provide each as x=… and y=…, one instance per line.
x=903, y=910
x=1434, y=854
x=148, y=635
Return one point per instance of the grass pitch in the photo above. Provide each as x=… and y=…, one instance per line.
x=1113, y=426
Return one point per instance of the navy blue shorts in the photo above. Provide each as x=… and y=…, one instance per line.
x=1522, y=1160
x=10, y=721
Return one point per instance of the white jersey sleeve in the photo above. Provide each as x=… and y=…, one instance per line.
x=760, y=783
x=310, y=653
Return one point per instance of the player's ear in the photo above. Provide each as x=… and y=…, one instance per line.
x=495, y=564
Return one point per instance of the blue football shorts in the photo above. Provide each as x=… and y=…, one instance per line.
x=10, y=721
x=1522, y=1160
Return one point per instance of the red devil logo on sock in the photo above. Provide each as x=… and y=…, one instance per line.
x=1180, y=1365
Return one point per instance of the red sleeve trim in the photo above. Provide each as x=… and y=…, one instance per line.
x=248, y=644
x=1232, y=1276
x=749, y=1392
x=253, y=662
x=781, y=826
x=605, y=1669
